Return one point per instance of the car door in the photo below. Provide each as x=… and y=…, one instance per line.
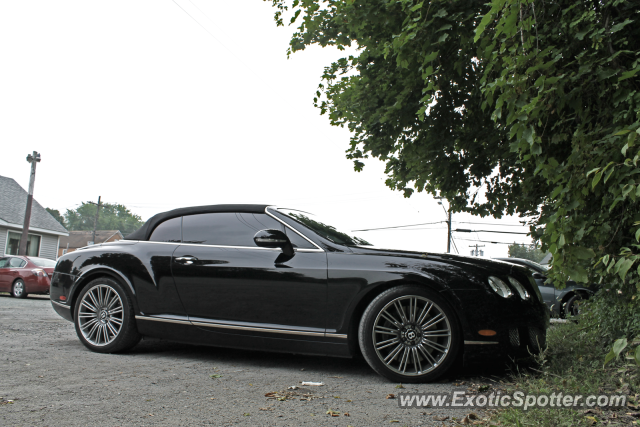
x=14, y=271
x=4, y=274
x=224, y=278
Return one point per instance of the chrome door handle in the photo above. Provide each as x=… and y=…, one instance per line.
x=187, y=259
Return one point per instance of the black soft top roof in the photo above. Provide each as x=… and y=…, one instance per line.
x=145, y=231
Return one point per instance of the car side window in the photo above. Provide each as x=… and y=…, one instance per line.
x=225, y=229
x=17, y=263
x=168, y=231
x=4, y=262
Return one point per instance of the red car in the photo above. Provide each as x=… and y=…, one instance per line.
x=23, y=275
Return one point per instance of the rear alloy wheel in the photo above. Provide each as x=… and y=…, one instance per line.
x=409, y=334
x=104, y=317
x=18, y=289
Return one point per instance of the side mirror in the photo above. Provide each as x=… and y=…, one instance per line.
x=539, y=276
x=274, y=239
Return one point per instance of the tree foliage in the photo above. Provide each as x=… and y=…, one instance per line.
x=512, y=107
x=112, y=217
x=57, y=215
x=530, y=252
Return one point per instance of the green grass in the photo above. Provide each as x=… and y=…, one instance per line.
x=572, y=364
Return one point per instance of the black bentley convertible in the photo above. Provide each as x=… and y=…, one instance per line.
x=262, y=278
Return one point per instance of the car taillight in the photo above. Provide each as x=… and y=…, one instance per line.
x=39, y=272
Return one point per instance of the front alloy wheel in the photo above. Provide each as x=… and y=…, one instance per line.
x=408, y=334
x=104, y=317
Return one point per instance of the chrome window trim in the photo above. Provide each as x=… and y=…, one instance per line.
x=480, y=342
x=241, y=328
x=61, y=305
x=319, y=249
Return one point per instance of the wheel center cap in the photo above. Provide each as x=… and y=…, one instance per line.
x=103, y=315
x=411, y=335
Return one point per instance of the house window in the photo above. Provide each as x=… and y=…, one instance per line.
x=13, y=244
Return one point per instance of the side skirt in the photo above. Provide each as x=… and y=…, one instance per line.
x=181, y=329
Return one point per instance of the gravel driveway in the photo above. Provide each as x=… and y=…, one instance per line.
x=49, y=378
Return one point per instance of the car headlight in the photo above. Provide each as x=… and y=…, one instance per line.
x=500, y=287
x=519, y=288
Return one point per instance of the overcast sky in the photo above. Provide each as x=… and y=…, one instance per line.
x=139, y=103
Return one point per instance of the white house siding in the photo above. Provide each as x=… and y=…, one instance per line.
x=3, y=240
x=49, y=246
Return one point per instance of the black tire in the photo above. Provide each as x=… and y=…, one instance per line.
x=572, y=306
x=431, y=355
x=19, y=289
x=106, y=328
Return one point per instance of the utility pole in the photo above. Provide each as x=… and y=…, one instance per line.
x=449, y=232
x=95, y=221
x=448, y=212
x=33, y=159
x=477, y=252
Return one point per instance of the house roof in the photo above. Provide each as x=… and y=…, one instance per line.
x=80, y=239
x=13, y=201
x=147, y=228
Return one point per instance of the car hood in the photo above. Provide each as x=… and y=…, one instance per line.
x=463, y=262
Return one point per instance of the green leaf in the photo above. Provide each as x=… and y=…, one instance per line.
x=416, y=7
x=583, y=253
x=596, y=179
x=578, y=274
x=441, y=13
x=624, y=268
x=628, y=74
x=443, y=37
x=609, y=357
x=637, y=355
x=561, y=241
x=592, y=171
x=619, y=345
x=638, y=230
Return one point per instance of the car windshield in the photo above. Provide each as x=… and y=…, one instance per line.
x=322, y=229
x=43, y=262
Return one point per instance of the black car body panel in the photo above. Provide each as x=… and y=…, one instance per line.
x=254, y=298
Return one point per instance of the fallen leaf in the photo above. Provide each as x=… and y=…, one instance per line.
x=268, y=408
x=472, y=416
x=311, y=383
x=391, y=396
x=349, y=401
x=346, y=414
x=246, y=414
x=593, y=420
x=336, y=397
x=437, y=418
x=270, y=394
x=394, y=421
x=399, y=386
x=333, y=413
x=465, y=420
x=216, y=376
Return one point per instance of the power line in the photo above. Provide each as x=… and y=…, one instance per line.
x=399, y=226
x=464, y=230
x=492, y=223
x=489, y=241
x=210, y=33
